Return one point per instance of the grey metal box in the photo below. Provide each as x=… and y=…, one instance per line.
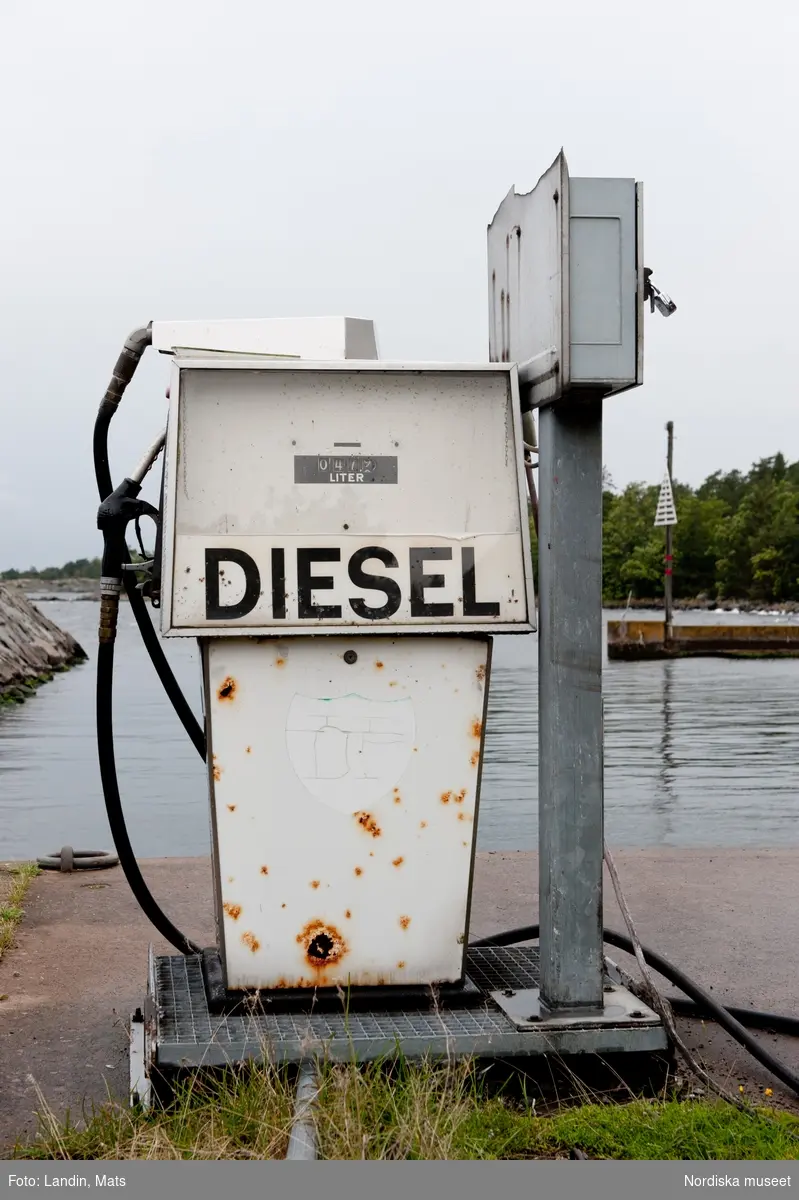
x=566, y=284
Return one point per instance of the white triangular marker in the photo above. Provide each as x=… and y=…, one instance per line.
x=666, y=512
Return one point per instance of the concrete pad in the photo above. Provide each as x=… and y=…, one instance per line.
x=728, y=918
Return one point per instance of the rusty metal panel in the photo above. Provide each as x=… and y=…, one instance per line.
x=345, y=497
x=344, y=779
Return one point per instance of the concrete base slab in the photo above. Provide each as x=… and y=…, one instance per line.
x=729, y=918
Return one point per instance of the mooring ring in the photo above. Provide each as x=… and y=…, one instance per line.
x=66, y=859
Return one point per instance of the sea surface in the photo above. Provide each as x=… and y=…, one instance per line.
x=698, y=752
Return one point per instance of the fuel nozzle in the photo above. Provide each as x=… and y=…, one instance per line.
x=113, y=517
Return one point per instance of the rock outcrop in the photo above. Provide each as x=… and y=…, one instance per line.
x=32, y=648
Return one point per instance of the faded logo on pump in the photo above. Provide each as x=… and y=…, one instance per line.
x=349, y=751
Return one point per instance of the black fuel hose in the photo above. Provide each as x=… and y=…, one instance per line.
x=113, y=804
x=122, y=374
x=700, y=1003
x=115, y=549
x=162, y=667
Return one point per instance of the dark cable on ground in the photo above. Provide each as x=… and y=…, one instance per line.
x=701, y=1002
x=113, y=804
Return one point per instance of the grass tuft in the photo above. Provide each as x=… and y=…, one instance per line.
x=395, y=1110
x=15, y=879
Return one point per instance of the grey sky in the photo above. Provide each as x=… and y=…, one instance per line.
x=181, y=158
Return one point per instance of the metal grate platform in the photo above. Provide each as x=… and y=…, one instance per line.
x=186, y=1033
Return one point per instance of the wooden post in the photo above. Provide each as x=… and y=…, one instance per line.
x=667, y=575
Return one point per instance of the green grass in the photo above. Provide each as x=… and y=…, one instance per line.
x=404, y=1111
x=15, y=879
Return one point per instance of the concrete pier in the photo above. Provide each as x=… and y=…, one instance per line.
x=638, y=641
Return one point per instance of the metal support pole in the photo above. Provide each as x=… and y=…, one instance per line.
x=668, y=577
x=528, y=432
x=570, y=794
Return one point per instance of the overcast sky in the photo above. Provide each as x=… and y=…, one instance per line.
x=179, y=158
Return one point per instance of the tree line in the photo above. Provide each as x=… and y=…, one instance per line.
x=737, y=538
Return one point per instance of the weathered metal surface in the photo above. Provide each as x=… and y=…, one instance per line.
x=414, y=517
x=645, y=640
x=344, y=778
x=565, y=279
x=190, y=1035
x=570, y=795
x=528, y=282
x=139, y=1083
x=605, y=310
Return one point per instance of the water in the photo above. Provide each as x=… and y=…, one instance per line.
x=699, y=752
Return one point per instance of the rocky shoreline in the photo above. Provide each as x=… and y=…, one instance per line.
x=32, y=648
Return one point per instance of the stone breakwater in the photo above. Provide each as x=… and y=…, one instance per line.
x=32, y=648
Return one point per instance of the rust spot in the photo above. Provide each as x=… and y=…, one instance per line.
x=460, y=796
x=348, y=914
x=280, y=662
x=231, y=807
x=282, y=906
x=227, y=690
x=446, y=797
x=359, y=870
x=368, y=823
x=400, y=966
x=371, y=853
x=481, y=672
x=379, y=665
x=323, y=944
x=233, y=911
x=314, y=883
x=249, y=749
x=217, y=772
x=477, y=728
x=462, y=816
x=397, y=862
x=404, y=922
x=251, y=940
x=474, y=760
x=464, y=843
x=423, y=824
x=264, y=870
